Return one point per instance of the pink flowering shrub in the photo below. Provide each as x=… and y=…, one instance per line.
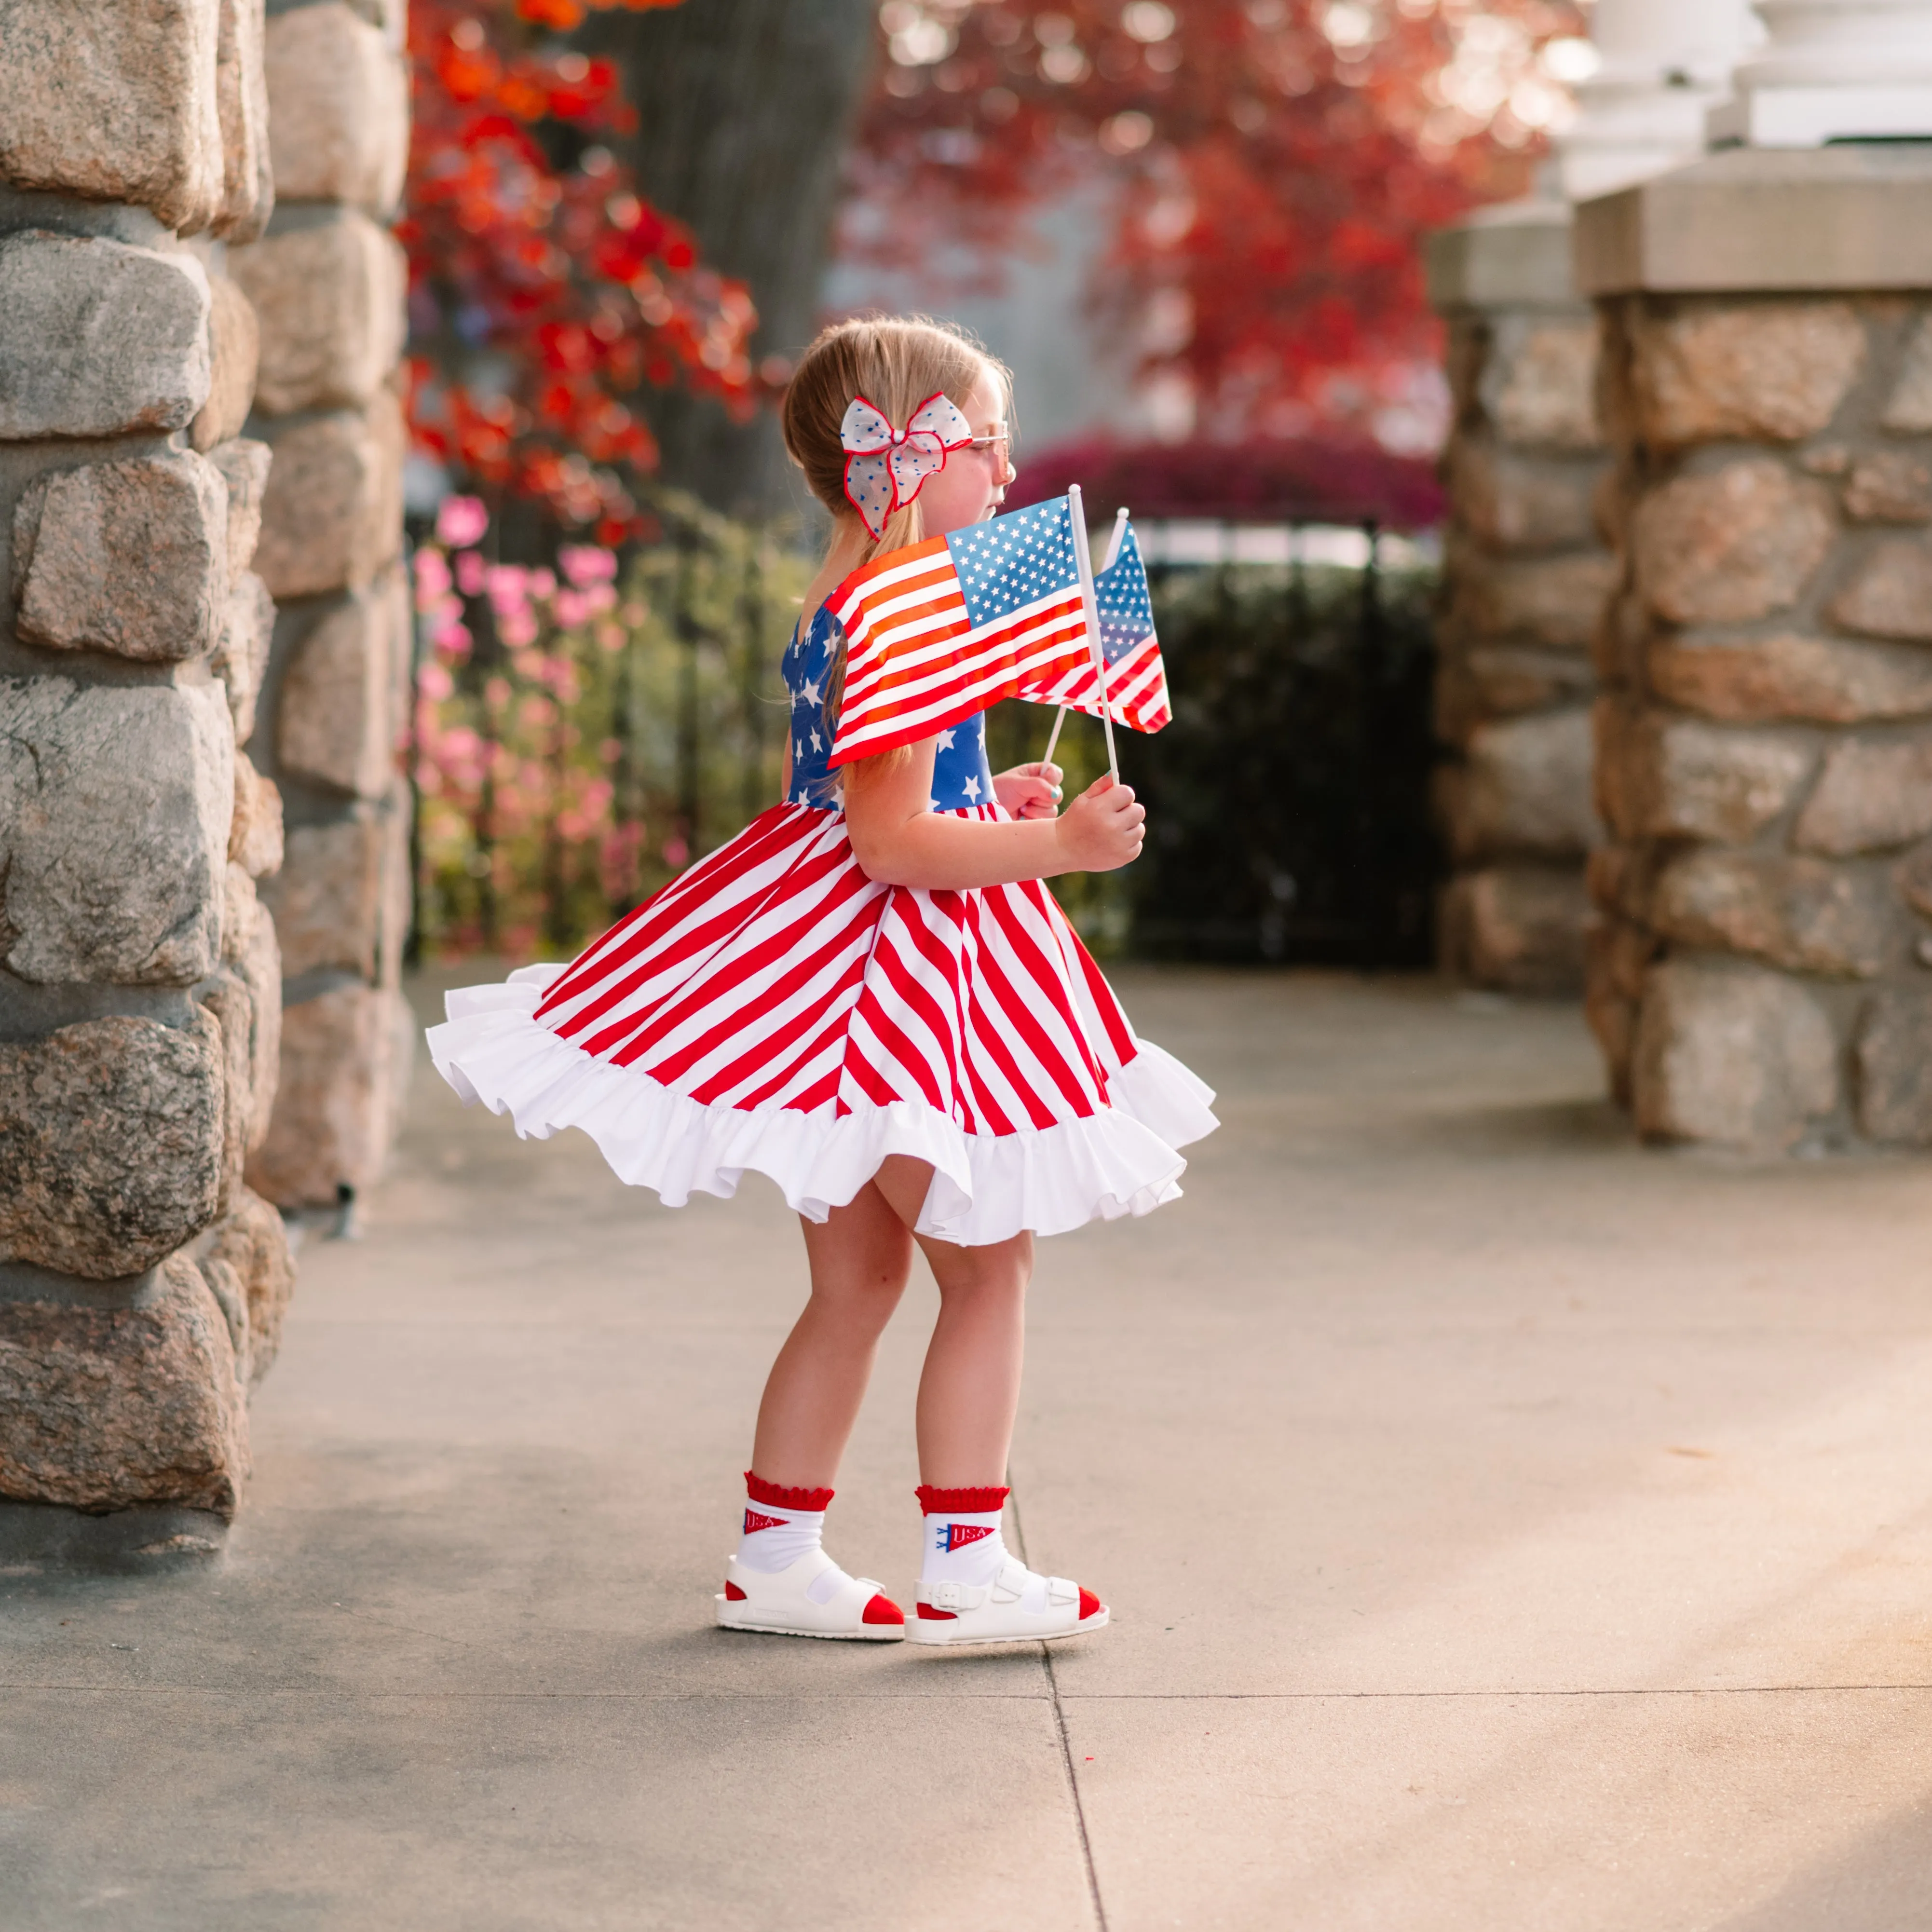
x=581, y=733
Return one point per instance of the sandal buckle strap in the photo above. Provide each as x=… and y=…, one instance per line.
x=953, y=1596
x=1010, y=1584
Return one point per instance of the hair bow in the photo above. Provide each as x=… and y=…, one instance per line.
x=884, y=466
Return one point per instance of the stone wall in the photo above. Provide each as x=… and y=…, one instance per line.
x=142, y=1283
x=1759, y=974
x=1525, y=575
x=327, y=281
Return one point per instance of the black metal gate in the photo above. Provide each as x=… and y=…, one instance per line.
x=1289, y=801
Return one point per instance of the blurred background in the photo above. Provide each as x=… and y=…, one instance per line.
x=1192, y=228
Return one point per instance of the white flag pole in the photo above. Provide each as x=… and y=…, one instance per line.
x=1083, y=558
x=1113, y=541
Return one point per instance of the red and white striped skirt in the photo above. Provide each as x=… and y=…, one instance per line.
x=776, y=1011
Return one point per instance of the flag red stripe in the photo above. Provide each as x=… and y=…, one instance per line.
x=999, y=670
x=889, y=676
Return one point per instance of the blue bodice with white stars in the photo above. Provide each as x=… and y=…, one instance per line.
x=960, y=775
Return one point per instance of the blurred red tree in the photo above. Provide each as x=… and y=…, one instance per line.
x=544, y=290
x=1278, y=161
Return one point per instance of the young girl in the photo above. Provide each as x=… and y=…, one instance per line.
x=869, y=996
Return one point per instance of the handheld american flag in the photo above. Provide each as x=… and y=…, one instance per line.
x=942, y=629
x=1136, y=680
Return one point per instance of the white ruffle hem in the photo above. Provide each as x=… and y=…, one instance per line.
x=985, y=1188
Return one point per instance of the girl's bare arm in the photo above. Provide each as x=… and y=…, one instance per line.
x=899, y=840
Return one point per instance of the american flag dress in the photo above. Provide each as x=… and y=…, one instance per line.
x=774, y=1010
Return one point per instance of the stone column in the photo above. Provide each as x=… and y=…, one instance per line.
x=141, y=1284
x=1524, y=574
x=1526, y=568
x=1759, y=977
x=327, y=281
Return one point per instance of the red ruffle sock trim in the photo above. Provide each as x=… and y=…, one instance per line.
x=960, y=1502
x=775, y=1497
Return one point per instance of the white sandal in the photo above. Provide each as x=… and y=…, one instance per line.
x=815, y=1598
x=1019, y=1605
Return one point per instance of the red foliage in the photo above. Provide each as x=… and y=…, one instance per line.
x=1266, y=479
x=544, y=290
x=1279, y=162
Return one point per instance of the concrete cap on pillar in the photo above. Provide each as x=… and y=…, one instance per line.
x=1771, y=219
x=1513, y=255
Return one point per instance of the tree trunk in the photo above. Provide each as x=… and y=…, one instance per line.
x=744, y=108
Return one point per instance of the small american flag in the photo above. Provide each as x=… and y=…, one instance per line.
x=942, y=629
x=1136, y=680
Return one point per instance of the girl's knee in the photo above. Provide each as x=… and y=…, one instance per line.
x=985, y=1276
x=863, y=1300
x=1012, y=1255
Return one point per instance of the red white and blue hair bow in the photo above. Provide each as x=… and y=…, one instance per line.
x=885, y=467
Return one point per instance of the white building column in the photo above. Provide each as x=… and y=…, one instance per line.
x=1665, y=65
x=1832, y=69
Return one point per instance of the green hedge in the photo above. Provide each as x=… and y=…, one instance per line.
x=1288, y=802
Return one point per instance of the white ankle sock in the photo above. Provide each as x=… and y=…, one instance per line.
x=963, y=1542
x=781, y=1525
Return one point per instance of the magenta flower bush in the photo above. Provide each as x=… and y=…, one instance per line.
x=581, y=732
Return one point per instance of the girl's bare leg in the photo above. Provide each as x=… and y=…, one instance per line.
x=969, y=1392
x=860, y=1259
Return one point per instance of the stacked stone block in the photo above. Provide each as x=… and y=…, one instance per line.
x=142, y=1283
x=1761, y=967
x=327, y=283
x=1524, y=576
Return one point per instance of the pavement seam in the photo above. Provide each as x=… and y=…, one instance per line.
x=1396, y=1696
x=539, y=1696
x=1056, y=1696
x=1066, y=1741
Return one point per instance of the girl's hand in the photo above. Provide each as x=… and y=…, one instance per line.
x=1029, y=791
x=1102, y=830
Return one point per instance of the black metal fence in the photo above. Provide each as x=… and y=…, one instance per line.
x=1289, y=801
x=573, y=759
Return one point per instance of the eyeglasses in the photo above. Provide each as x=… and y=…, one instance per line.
x=999, y=439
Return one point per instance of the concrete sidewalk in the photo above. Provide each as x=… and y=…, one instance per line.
x=1505, y=1529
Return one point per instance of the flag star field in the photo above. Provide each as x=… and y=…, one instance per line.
x=1127, y=610
x=1014, y=560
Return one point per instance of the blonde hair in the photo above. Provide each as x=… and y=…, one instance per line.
x=896, y=362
